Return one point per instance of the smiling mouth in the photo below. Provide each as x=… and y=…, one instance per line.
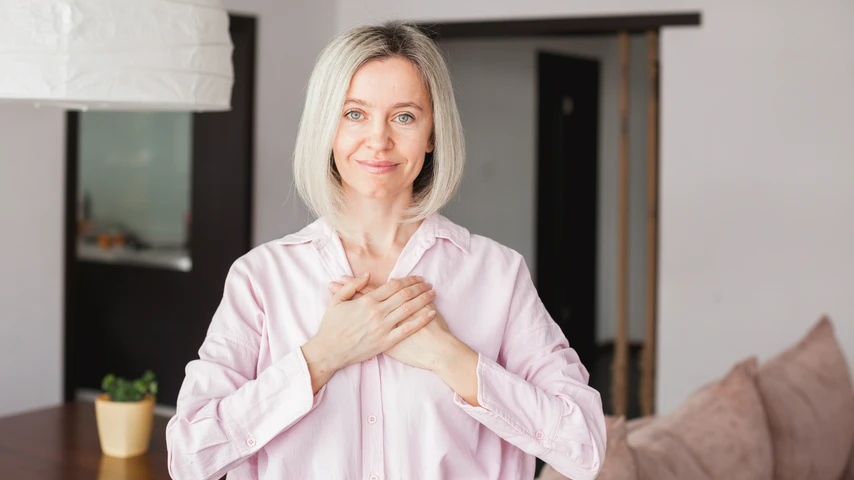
x=377, y=167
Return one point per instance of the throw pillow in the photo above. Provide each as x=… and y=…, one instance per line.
x=719, y=433
x=807, y=395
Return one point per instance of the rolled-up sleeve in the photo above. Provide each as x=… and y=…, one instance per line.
x=536, y=396
x=226, y=411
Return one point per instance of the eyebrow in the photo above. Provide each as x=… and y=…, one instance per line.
x=395, y=106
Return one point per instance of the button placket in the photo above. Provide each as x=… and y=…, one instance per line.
x=372, y=433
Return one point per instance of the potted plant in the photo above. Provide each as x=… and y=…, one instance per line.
x=125, y=412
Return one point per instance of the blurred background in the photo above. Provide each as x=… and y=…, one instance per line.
x=118, y=228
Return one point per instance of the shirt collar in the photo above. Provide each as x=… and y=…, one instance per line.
x=435, y=226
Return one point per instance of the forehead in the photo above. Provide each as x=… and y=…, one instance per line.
x=389, y=80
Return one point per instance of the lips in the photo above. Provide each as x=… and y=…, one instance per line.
x=377, y=167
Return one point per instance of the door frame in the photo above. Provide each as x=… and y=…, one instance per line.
x=561, y=26
x=568, y=27
x=243, y=24
x=587, y=25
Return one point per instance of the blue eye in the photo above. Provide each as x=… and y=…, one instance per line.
x=407, y=116
x=351, y=116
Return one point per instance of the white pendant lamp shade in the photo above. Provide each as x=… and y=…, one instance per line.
x=116, y=54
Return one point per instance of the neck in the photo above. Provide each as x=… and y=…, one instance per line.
x=375, y=226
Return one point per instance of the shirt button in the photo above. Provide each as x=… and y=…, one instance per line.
x=372, y=419
x=250, y=441
x=371, y=359
x=374, y=477
x=540, y=435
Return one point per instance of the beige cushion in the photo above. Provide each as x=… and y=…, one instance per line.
x=549, y=473
x=720, y=433
x=619, y=461
x=636, y=423
x=849, y=475
x=807, y=395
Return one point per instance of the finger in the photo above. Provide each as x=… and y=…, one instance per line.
x=407, y=328
x=393, y=286
x=335, y=286
x=422, y=311
x=404, y=295
x=410, y=308
x=349, y=289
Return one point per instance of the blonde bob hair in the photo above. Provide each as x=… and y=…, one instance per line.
x=317, y=180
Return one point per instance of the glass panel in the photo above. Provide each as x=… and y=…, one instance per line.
x=134, y=188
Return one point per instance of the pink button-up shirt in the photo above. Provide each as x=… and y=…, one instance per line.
x=246, y=405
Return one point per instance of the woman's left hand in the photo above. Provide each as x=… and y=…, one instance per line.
x=435, y=348
x=427, y=347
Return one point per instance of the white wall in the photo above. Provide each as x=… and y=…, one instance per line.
x=756, y=176
x=32, y=160
x=496, y=87
x=290, y=36
x=32, y=184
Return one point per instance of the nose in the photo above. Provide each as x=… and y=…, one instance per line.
x=379, y=137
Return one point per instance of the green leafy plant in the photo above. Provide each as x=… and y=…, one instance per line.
x=122, y=390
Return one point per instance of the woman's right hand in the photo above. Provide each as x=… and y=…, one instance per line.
x=353, y=330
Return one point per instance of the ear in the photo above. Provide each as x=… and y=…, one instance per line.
x=432, y=143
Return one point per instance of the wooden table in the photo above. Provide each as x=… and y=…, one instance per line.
x=61, y=443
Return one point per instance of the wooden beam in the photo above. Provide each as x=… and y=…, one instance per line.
x=566, y=26
x=620, y=371
x=647, y=387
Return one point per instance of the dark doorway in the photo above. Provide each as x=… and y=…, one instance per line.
x=567, y=195
x=124, y=319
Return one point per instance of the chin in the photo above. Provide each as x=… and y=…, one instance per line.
x=373, y=190
x=375, y=193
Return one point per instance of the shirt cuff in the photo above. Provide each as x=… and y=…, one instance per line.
x=263, y=408
x=501, y=395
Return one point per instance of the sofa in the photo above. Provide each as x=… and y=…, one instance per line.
x=791, y=418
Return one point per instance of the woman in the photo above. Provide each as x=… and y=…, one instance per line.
x=383, y=341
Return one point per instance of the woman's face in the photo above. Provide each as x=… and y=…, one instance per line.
x=385, y=129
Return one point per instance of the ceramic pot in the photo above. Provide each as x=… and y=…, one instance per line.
x=124, y=428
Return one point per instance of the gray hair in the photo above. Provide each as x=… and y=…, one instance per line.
x=315, y=175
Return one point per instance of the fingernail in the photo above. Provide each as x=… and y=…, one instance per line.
x=432, y=293
x=429, y=285
x=419, y=278
x=431, y=313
